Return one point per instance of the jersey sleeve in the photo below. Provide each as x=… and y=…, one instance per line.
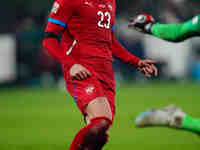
x=121, y=53
x=60, y=14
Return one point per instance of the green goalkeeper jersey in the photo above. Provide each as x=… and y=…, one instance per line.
x=177, y=32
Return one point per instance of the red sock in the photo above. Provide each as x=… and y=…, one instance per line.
x=91, y=135
x=101, y=142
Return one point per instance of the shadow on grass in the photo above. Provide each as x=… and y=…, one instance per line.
x=186, y=130
x=182, y=130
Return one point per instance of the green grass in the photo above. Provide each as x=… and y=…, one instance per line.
x=47, y=119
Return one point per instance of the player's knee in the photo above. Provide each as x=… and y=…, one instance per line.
x=109, y=116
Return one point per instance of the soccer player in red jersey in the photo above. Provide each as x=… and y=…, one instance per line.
x=87, y=44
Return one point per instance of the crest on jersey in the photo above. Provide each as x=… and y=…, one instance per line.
x=110, y=7
x=102, y=6
x=89, y=90
x=55, y=8
x=88, y=3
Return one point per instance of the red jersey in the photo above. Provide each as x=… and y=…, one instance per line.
x=92, y=22
x=88, y=24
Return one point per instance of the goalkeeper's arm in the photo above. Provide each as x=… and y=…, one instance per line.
x=170, y=32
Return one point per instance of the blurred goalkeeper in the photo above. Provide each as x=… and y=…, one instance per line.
x=85, y=50
x=169, y=32
x=171, y=116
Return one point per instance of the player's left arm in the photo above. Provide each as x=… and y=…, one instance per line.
x=145, y=66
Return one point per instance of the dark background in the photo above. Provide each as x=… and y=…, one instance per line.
x=26, y=21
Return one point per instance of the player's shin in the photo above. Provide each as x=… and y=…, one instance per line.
x=93, y=136
x=102, y=140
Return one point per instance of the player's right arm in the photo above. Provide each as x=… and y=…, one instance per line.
x=60, y=14
x=170, y=32
x=145, y=66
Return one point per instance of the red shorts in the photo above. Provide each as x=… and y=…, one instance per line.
x=100, y=84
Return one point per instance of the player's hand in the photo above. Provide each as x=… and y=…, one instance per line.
x=78, y=72
x=142, y=23
x=147, y=67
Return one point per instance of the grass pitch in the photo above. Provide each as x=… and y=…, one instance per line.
x=47, y=119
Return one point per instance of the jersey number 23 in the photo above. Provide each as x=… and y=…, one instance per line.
x=102, y=23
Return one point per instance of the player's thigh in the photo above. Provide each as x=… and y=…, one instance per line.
x=108, y=85
x=99, y=107
x=106, y=106
x=110, y=95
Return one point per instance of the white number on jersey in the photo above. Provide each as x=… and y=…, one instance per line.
x=103, y=15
